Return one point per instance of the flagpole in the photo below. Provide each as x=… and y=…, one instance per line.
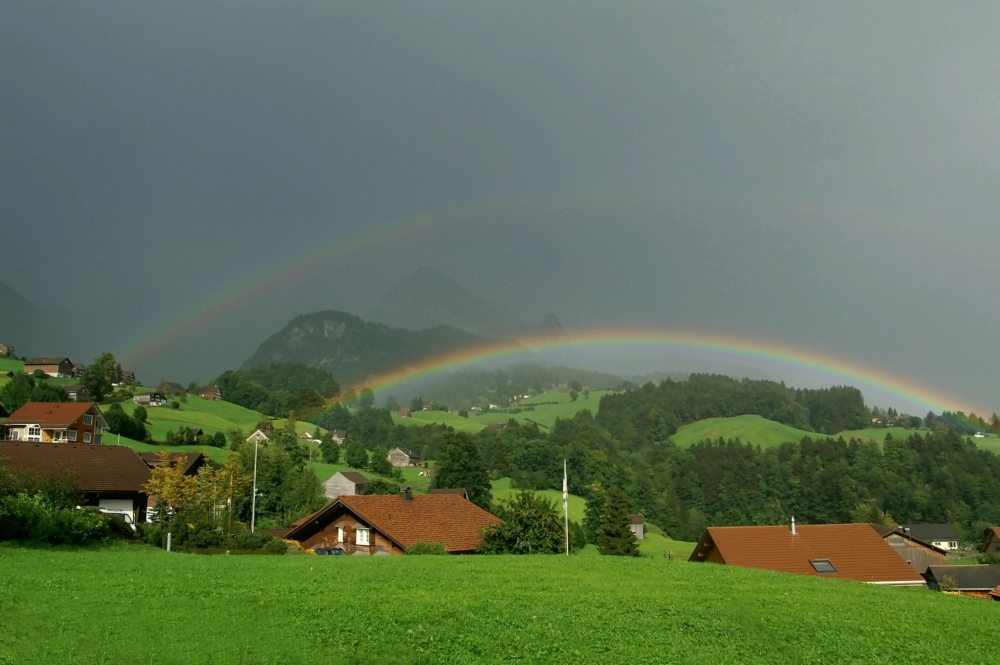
x=566, y=505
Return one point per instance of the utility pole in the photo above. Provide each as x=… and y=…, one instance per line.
x=253, y=504
x=566, y=504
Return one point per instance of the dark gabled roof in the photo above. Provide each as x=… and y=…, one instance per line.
x=44, y=361
x=407, y=452
x=189, y=462
x=969, y=578
x=637, y=518
x=98, y=468
x=931, y=532
x=886, y=531
x=354, y=477
x=990, y=535
x=74, y=389
x=174, y=387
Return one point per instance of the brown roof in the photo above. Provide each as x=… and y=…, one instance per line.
x=855, y=550
x=995, y=594
x=44, y=361
x=187, y=461
x=637, y=518
x=431, y=518
x=52, y=414
x=460, y=491
x=992, y=533
x=354, y=477
x=98, y=468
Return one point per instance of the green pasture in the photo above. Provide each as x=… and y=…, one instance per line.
x=11, y=365
x=577, y=504
x=81, y=606
x=748, y=429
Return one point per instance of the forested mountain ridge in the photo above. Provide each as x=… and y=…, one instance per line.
x=351, y=349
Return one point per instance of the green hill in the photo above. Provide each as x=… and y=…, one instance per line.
x=748, y=429
x=468, y=609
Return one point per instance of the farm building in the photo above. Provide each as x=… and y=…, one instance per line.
x=171, y=388
x=841, y=551
x=151, y=399
x=77, y=393
x=111, y=477
x=58, y=367
x=388, y=524
x=638, y=525
x=915, y=552
x=125, y=378
x=992, y=541
x=942, y=536
x=403, y=457
x=458, y=491
x=6, y=351
x=211, y=393
x=344, y=483
x=976, y=581
x=404, y=413
x=258, y=436
x=338, y=436
x=55, y=422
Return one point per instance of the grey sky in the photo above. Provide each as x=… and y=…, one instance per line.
x=817, y=173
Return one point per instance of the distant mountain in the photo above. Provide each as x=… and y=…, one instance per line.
x=352, y=349
x=428, y=299
x=30, y=330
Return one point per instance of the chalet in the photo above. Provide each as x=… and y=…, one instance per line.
x=77, y=393
x=61, y=368
x=338, y=436
x=258, y=436
x=79, y=369
x=404, y=413
x=976, y=581
x=403, y=457
x=151, y=398
x=840, y=551
x=991, y=541
x=381, y=524
x=110, y=477
x=6, y=351
x=638, y=526
x=211, y=393
x=171, y=388
x=458, y=491
x=344, y=483
x=55, y=422
x=942, y=536
x=126, y=378
x=915, y=552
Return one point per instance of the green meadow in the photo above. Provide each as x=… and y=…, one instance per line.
x=577, y=504
x=130, y=604
x=748, y=429
x=210, y=415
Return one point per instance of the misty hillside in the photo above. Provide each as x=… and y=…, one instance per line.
x=428, y=298
x=28, y=329
x=353, y=349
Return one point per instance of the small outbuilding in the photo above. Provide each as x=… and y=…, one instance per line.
x=975, y=581
x=77, y=393
x=915, y=552
x=991, y=544
x=638, y=525
x=345, y=483
x=403, y=457
x=153, y=398
x=943, y=536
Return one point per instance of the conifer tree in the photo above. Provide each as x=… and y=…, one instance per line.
x=615, y=536
x=459, y=464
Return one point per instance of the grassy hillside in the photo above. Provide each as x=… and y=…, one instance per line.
x=544, y=414
x=81, y=606
x=877, y=434
x=13, y=365
x=577, y=504
x=749, y=429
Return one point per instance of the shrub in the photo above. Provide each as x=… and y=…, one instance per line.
x=991, y=558
x=948, y=583
x=276, y=546
x=34, y=517
x=531, y=526
x=379, y=486
x=427, y=548
x=175, y=405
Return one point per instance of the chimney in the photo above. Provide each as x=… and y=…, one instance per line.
x=793, y=526
x=406, y=494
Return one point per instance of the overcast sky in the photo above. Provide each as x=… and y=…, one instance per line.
x=822, y=174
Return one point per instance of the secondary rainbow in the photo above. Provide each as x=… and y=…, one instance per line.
x=823, y=367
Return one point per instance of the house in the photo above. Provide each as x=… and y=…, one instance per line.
x=189, y=463
x=381, y=524
x=338, y=436
x=403, y=457
x=344, y=483
x=976, y=581
x=55, y=422
x=943, y=536
x=79, y=369
x=306, y=436
x=915, y=552
x=110, y=477
x=404, y=413
x=58, y=367
x=991, y=544
x=211, y=393
x=126, y=378
x=152, y=398
x=171, y=388
x=77, y=393
x=258, y=436
x=638, y=526
x=841, y=551
x=6, y=351
x=458, y=491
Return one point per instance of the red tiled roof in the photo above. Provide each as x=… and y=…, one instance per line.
x=51, y=414
x=186, y=460
x=995, y=594
x=97, y=468
x=430, y=518
x=855, y=550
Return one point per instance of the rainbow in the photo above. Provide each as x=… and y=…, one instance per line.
x=820, y=367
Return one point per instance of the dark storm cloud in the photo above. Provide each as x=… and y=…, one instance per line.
x=817, y=173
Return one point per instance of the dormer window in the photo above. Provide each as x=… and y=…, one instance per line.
x=822, y=566
x=88, y=419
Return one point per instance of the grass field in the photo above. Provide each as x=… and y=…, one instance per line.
x=138, y=605
x=749, y=429
x=544, y=414
x=12, y=365
x=577, y=504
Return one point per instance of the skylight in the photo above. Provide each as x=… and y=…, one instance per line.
x=822, y=565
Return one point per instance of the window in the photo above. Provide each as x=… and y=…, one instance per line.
x=88, y=419
x=822, y=565
x=340, y=534
x=362, y=538
x=34, y=433
x=14, y=435
x=72, y=435
x=98, y=430
x=86, y=437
